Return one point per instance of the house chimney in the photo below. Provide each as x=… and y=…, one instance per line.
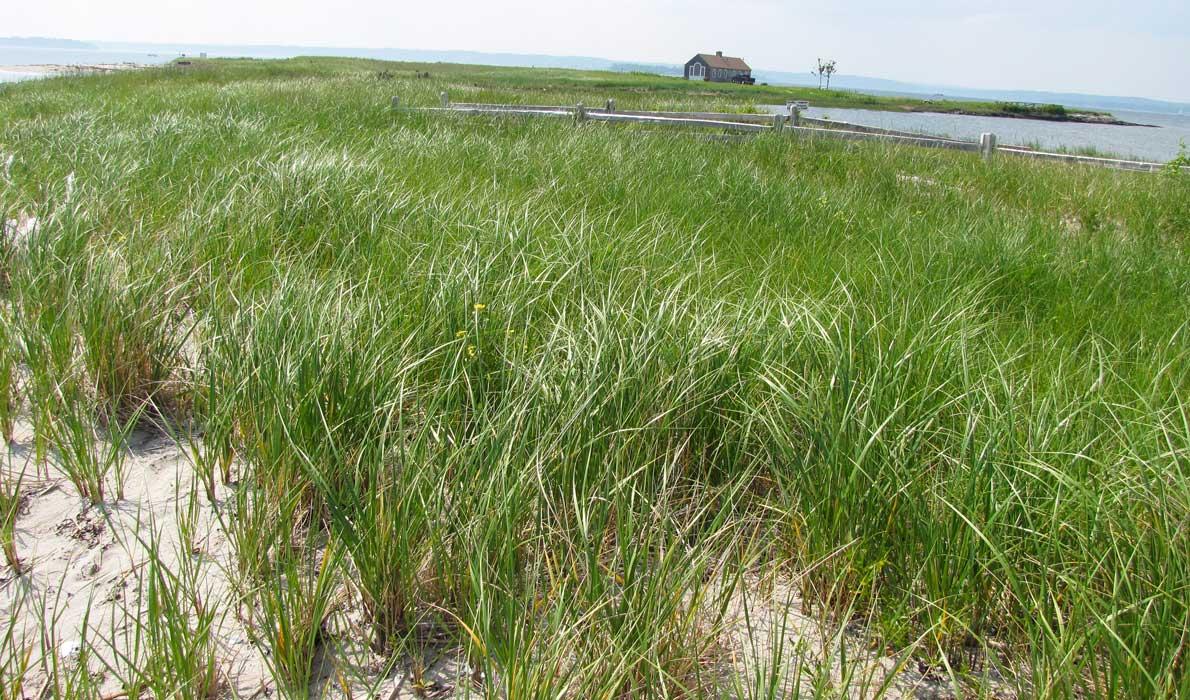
x=719, y=54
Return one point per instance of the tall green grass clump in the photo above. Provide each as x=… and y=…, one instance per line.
x=41, y=328
x=92, y=456
x=101, y=345
x=132, y=328
x=11, y=502
x=287, y=579
x=317, y=382
x=169, y=646
x=11, y=395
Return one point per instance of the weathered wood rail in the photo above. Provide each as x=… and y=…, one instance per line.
x=792, y=124
x=849, y=126
x=1137, y=165
x=603, y=116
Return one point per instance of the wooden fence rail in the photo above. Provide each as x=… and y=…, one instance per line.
x=791, y=124
x=849, y=126
x=720, y=124
x=747, y=118
x=1136, y=165
x=600, y=115
x=742, y=118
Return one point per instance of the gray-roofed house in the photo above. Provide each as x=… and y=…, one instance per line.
x=716, y=68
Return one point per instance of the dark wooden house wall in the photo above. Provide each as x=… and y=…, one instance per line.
x=714, y=75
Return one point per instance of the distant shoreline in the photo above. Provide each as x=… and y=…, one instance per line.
x=48, y=70
x=1070, y=117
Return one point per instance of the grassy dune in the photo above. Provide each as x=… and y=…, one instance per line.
x=561, y=397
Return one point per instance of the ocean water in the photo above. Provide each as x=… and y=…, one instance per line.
x=12, y=58
x=1159, y=143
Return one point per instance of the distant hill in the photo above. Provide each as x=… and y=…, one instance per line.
x=33, y=42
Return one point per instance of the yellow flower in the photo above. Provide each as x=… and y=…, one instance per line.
x=470, y=351
x=511, y=331
x=481, y=307
x=461, y=334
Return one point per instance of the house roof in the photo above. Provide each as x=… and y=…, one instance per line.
x=718, y=60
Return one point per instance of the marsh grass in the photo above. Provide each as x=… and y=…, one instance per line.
x=288, y=580
x=555, y=396
x=131, y=324
x=11, y=394
x=41, y=328
x=16, y=656
x=94, y=458
x=169, y=646
x=11, y=504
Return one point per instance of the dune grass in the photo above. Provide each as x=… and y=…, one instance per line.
x=561, y=395
x=169, y=648
x=10, y=508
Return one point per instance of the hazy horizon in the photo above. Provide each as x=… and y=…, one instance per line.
x=1091, y=47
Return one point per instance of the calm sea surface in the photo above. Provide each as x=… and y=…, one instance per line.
x=13, y=58
x=1143, y=143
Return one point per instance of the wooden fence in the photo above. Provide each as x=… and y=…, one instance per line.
x=793, y=124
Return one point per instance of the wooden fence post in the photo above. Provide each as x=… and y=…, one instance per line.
x=611, y=106
x=795, y=115
x=580, y=113
x=778, y=122
x=445, y=99
x=987, y=145
x=396, y=103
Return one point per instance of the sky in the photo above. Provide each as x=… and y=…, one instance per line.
x=1136, y=48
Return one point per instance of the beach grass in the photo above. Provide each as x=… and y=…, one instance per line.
x=566, y=397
